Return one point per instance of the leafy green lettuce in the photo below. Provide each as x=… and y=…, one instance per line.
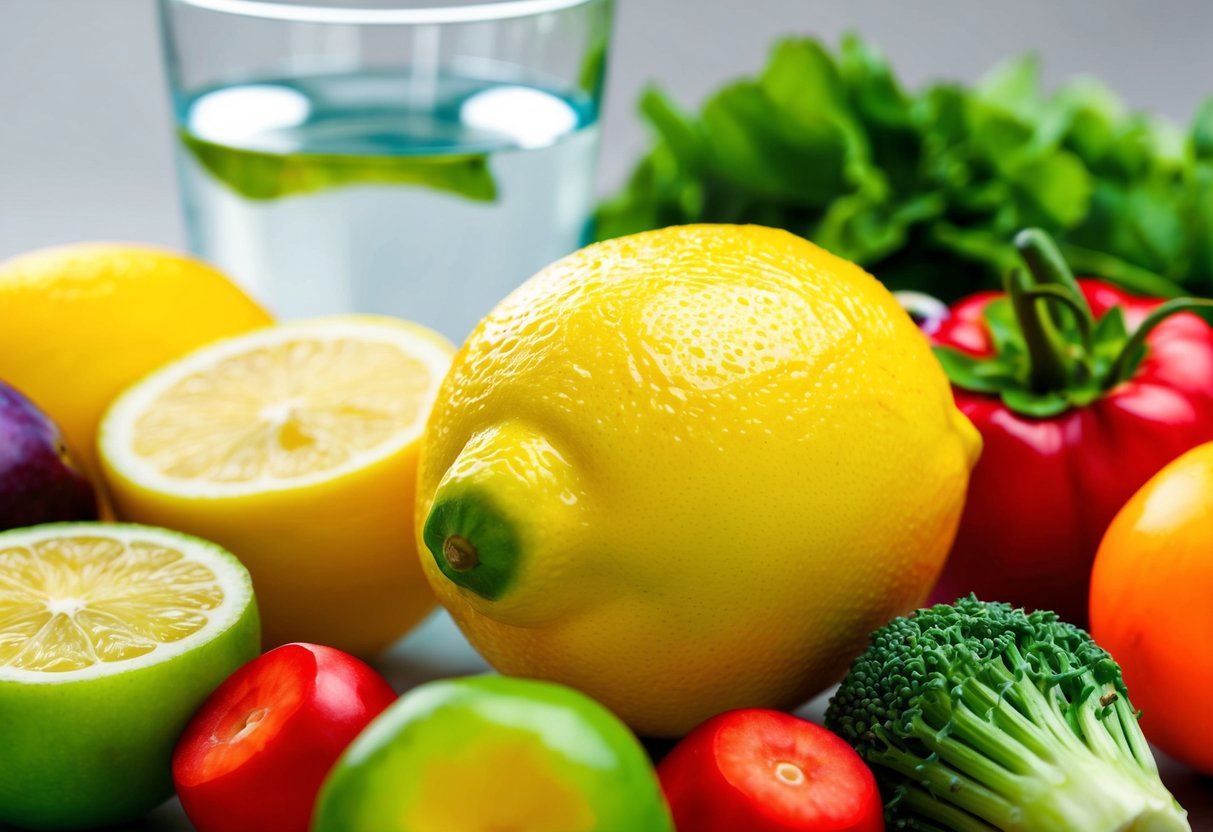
x=927, y=189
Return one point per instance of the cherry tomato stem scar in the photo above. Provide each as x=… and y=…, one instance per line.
x=249, y=724
x=789, y=773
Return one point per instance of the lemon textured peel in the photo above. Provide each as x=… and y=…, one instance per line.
x=86, y=600
x=295, y=447
x=713, y=447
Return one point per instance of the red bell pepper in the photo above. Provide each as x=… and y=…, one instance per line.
x=1081, y=393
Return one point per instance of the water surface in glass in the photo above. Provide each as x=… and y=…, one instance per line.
x=418, y=158
x=427, y=198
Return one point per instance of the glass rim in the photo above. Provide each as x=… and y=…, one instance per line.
x=476, y=11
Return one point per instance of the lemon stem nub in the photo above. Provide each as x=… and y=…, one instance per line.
x=460, y=553
x=508, y=487
x=486, y=567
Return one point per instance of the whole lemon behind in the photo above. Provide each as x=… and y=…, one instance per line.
x=78, y=323
x=690, y=470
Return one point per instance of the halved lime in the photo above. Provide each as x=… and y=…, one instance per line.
x=110, y=637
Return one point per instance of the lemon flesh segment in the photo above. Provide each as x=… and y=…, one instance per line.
x=282, y=407
x=281, y=411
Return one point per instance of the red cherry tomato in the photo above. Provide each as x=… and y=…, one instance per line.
x=253, y=758
x=767, y=771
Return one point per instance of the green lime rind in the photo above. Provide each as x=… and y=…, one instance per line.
x=381, y=777
x=94, y=752
x=472, y=515
x=261, y=175
x=98, y=752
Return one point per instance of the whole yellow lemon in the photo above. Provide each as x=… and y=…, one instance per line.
x=690, y=470
x=78, y=323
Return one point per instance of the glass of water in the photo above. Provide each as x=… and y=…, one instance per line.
x=418, y=159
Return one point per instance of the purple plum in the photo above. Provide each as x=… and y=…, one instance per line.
x=39, y=483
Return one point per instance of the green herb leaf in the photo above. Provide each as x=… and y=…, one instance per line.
x=1005, y=335
x=980, y=375
x=1037, y=405
x=927, y=187
x=680, y=133
x=261, y=175
x=1108, y=340
x=1014, y=86
x=1057, y=187
x=763, y=153
x=593, y=67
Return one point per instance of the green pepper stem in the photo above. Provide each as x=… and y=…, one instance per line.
x=1124, y=274
x=1133, y=352
x=1082, y=315
x=1047, y=264
x=1046, y=367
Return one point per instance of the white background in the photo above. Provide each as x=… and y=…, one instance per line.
x=84, y=124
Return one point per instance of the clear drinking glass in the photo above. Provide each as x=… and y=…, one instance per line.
x=419, y=159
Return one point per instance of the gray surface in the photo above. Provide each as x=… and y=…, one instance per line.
x=84, y=149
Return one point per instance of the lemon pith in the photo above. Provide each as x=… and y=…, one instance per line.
x=714, y=446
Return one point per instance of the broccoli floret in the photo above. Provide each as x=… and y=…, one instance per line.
x=978, y=717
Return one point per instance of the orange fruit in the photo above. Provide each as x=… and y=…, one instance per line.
x=1151, y=588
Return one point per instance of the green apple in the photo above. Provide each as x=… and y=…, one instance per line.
x=492, y=753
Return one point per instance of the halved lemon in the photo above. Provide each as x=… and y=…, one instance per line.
x=295, y=447
x=111, y=636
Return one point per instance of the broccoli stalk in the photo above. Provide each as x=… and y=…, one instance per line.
x=977, y=717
